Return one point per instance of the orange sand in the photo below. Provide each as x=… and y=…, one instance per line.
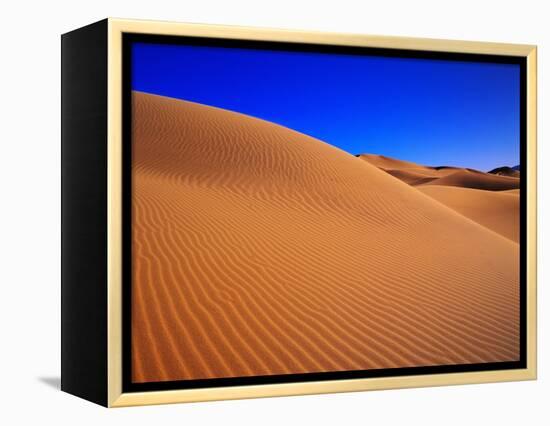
x=258, y=250
x=496, y=210
x=482, y=197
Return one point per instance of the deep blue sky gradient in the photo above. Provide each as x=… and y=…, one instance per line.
x=433, y=112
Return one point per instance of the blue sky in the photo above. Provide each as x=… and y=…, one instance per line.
x=433, y=112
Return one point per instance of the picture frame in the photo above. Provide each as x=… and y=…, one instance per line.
x=103, y=145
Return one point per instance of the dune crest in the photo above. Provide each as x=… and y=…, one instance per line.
x=258, y=250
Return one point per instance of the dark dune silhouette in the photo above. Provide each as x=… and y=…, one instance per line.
x=506, y=171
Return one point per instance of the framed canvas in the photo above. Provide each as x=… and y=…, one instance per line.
x=254, y=212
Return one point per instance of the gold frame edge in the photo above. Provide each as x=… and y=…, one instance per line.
x=114, y=213
x=116, y=398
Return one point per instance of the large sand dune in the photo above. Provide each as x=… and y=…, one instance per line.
x=258, y=250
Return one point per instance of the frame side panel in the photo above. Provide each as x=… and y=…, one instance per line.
x=84, y=212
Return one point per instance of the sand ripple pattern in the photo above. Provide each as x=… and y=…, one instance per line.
x=258, y=250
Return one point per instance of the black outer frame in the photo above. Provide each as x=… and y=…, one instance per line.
x=129, y=386
x=84, y=212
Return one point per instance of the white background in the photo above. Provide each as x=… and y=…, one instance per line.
x=30, y=211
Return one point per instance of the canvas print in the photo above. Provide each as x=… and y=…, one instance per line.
x=299, y=212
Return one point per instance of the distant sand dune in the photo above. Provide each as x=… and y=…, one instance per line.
x=388, y=163
x=506, y=171
x=477, y=180
x=482, y=197
x=412, y=177
x=258, y=250
x=496, y=210
x=416, y=174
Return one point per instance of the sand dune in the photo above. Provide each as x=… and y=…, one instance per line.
x=412, y=177
x=496, y=210
x=506, y=171
x=479, y=196
x=472, y=179
x=407, y=171
x=258, y=250
x=388, y=163
x=416, y=174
